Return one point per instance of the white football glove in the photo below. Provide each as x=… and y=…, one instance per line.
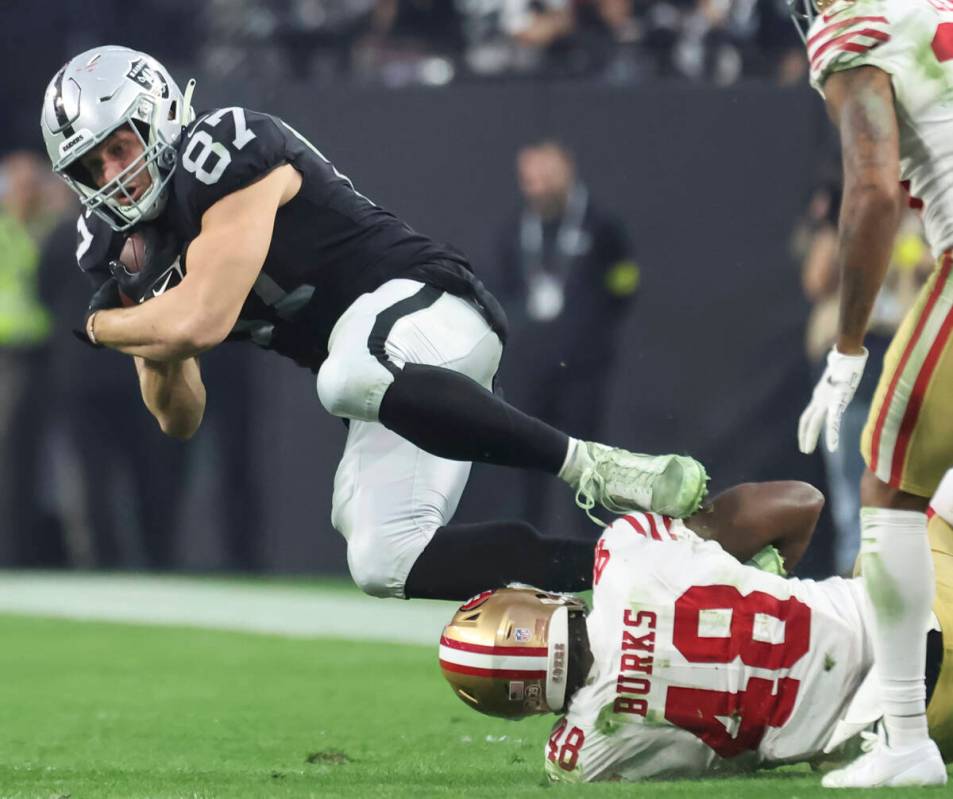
x=830, y=399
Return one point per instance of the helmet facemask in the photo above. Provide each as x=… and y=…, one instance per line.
x=804, y=12
x=803, y=15
x=156, y=158
x=98, y=93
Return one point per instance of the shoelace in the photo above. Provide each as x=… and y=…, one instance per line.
x=590, y=482
x=869, y=741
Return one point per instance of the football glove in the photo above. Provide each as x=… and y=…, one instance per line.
x=157, y=265
x=104, y=298
x=830, y=399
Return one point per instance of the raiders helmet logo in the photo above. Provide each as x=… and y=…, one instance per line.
x=153, y=82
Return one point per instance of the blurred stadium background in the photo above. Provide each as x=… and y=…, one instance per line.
x=709, y=168
x=690, y=121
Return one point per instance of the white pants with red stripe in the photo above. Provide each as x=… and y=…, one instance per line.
x=389, y=495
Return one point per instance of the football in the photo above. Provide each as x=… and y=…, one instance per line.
x=132, y=258
x=133, y=253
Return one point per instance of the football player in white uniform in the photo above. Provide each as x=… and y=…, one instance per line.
x=885, y=70
x=692, y=663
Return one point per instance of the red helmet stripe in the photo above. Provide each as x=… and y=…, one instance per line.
x=519, y=651
x=505, y=674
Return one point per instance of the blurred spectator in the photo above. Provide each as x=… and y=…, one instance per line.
x=410, y=42
x=515, y=36
x=911, y=265
x=610, y=42
x=122, y=499
x=27, y=212
x=706, y=48
x=267, y=40
x=405, y=42
x=569, y=278
x=775, y=49
x=720, y=40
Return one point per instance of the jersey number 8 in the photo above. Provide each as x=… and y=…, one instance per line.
x=202, y=147
x=764, y=702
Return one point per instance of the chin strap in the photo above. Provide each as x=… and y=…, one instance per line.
x=187, y=115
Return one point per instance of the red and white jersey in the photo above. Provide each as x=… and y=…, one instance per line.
x=703, y=664
x=912, y=41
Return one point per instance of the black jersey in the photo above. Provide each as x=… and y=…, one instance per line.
x=330, y=243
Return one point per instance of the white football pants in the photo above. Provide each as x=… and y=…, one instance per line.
x=389, y=495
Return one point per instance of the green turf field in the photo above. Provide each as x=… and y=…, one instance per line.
x=97, y=710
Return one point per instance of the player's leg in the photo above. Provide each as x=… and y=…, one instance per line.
x=940, y=531
x=400, y=356
x=907, y=444
x=392, y=502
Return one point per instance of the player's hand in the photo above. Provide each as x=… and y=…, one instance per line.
x=830, y=399
x=103, y=299
x=148, y=265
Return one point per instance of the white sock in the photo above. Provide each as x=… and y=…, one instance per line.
x=577, y=459
x=942, y=502
x=898, y=577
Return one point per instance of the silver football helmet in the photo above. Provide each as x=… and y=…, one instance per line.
x=95, y=94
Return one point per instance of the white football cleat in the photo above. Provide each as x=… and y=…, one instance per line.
x=623, y=481
x=883, y=766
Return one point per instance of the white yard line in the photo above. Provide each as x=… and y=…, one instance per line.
x=301, y=612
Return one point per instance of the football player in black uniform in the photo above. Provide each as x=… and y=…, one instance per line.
x=248, y=231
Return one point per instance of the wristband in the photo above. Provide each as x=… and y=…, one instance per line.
x=90, y=332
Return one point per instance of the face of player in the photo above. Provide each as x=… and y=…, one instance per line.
x=545, y=178
x=108, y=160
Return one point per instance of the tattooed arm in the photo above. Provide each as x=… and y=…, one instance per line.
x=861, y=104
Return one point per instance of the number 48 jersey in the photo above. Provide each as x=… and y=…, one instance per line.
x=912, y=41
x=703, y=664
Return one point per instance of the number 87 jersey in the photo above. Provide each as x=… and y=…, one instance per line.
x=702, y=664
x=330, y=244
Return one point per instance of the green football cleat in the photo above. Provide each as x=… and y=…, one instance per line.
x=623, y=481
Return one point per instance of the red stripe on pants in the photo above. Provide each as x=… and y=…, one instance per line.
x=916, y=399
x=911, y=345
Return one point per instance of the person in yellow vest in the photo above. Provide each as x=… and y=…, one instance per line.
x=28, y=210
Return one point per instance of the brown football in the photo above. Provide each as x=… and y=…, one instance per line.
x=133, y=253
x=132, y=257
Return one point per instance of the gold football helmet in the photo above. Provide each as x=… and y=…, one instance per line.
x=506, y=652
